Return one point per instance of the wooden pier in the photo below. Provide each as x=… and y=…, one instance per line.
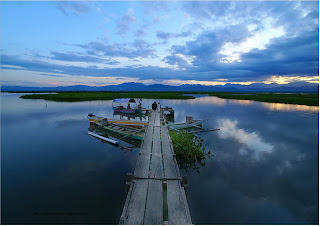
x=156, y=194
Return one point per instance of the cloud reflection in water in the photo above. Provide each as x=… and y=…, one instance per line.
x=290, y=107
x=253, y=144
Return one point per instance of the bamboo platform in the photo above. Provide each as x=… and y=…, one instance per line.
x=156, y=194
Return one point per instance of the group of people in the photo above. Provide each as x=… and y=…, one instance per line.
x=154, y=106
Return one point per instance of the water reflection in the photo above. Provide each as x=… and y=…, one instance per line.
x=253, y=144
x=290, y=107
x=264, y=170
x=209, y=100
x=270, y=106
x=242, y=102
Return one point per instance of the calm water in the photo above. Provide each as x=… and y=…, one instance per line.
x=264, y=169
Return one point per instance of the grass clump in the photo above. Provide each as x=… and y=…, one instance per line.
x=189, y=150
x=285, y=98
x=85, y=96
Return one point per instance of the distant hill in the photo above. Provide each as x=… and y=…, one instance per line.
x=132, y=86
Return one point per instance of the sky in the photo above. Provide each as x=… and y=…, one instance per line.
x=98, y=43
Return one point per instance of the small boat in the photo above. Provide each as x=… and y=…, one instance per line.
x=130, y=116
x=93, y=118
x=129, y=106
x=124, y=132
x=104, y=121
x=190, y=123
x=168, y=111
x=186, y=125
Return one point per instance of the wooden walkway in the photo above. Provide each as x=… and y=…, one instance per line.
x=156, y=195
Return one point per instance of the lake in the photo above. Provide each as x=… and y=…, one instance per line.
x=264, y=168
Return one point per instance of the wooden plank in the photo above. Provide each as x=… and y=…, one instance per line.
x=178, y=211
x=152, y=117
x=157, y=118
x=134, y=212
x=147, y=138
x=170, y=170
x=125, y=208
x=142, y=166
x=165, y=138
x=156, y=167
x=147, y=141
x=154, y=207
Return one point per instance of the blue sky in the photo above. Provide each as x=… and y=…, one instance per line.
x=99, y=43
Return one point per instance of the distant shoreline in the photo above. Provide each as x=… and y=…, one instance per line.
x=85, y=96
x=310, y=99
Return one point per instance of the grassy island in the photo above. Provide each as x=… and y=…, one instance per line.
x=285, y=98
x=85, y=96
x=290, y=98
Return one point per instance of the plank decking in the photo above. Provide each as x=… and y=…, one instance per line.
x=156, y=195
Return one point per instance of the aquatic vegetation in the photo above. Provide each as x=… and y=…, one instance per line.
x=85, y=96
x=189, y=150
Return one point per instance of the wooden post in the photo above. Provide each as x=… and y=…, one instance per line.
x=128, y=181
x=184, y=184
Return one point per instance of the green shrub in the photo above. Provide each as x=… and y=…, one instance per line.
x=189, y=150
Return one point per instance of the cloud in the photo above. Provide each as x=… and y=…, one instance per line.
x=208, y=28
x=152, y=7
x=176, y=60
x=286, y=55
x=141, y=72
x=137, y=49
x=139, y=33
x=123, y=24
x=73, y=57
x=206, y=10
x=166, y=35
x=73, y=7
x=294, y=17
x=52, y=75
x=206, y=47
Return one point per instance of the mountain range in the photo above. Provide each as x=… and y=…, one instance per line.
x=132, y=86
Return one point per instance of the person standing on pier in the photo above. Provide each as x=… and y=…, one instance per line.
x=154, y=106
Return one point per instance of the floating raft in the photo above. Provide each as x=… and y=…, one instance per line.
x=156, y=193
